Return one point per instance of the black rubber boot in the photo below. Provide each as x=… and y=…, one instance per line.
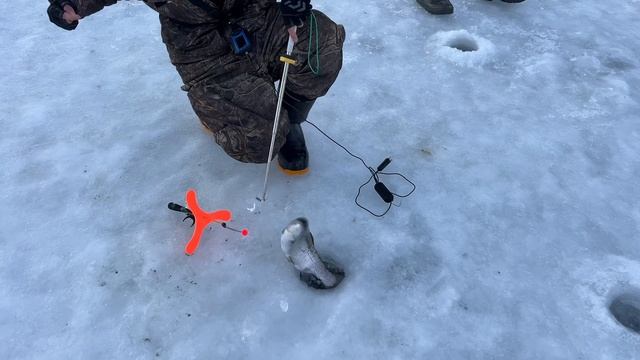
x=293, y=157
x=437, y=7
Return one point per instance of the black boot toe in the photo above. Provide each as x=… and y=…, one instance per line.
x=293, y=157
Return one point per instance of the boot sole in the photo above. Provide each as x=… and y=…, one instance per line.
x=436, y=11
x=293, y=172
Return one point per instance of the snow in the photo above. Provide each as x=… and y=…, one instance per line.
x=523, y=228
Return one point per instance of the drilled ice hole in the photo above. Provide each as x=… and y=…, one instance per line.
x=626, y=309
x=463, y=42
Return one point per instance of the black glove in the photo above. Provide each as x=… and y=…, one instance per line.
x=294, y=12
x=56, y=10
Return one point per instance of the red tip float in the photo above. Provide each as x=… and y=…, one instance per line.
x=202, y=219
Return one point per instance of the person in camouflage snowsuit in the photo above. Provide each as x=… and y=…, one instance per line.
x=234, y=95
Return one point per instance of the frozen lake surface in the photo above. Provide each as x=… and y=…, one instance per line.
x=520, y=242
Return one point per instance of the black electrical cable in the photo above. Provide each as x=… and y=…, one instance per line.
x=374, y=176
x=364, y=208
x=344, y=148
x=405, y=178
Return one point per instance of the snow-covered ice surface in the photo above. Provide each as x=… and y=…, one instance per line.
x=524, y=226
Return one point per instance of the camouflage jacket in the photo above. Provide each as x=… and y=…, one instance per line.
x=190, y=32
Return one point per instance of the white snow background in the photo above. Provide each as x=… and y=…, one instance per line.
x=523, y=227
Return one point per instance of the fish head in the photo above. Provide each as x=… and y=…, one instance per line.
x=295, y=234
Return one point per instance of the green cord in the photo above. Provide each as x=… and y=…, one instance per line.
x=313, y=28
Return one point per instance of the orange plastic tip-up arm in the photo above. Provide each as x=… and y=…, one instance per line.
x=203, y=219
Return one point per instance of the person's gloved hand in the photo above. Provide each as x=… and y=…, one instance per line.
x=63, y=13
x=294, y=12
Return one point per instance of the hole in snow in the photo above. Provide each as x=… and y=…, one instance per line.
x=461, y=47
x=463, y=42
x=626, y=309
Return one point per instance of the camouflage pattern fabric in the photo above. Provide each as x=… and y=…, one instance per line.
x=234, y=95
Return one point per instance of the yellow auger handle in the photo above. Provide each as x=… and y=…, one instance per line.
x=288, y=60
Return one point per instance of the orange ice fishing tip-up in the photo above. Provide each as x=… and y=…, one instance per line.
x=201, y=219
